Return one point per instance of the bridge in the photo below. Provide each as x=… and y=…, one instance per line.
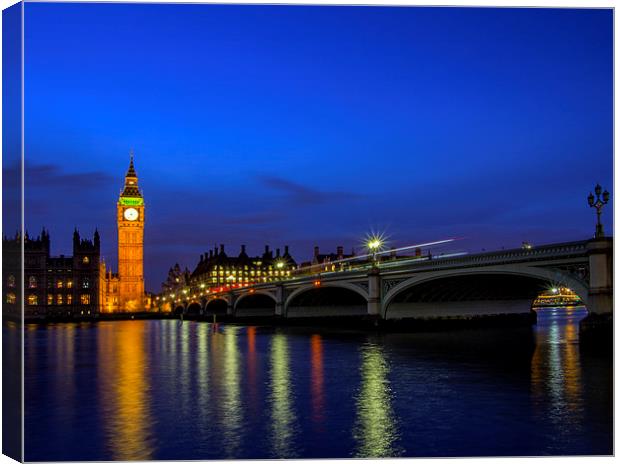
x=476, y=285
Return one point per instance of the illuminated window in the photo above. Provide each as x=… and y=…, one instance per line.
x=85, y=282
x=85, y=298
x=85, y=260
x=10, y=298
x=69, y=283
x=59, y=299
x=33, y=299
x=32, y=282
x=69, y=299
x=59, y=283
x=10, y=281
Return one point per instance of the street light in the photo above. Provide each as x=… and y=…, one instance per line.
x=374, y=244
x=598, y=204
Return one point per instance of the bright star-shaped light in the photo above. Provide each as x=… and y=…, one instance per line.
x=375, y=242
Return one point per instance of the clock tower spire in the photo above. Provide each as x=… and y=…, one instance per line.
x=130, y=222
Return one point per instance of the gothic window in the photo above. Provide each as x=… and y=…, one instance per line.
x=85, y=298
x=10, y=298
x=69, y=283
x=69, y=299
x=85, y=282
x=59, y=283
x=59, y=299
x=85, y=260
x=10, y=281
x=33, y=299
x=50, y=299
x=32, y=282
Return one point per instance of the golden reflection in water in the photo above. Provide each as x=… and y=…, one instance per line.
x=231, y=407
x=283, y=416
x=555, y=367
x=124, y=389
x=375, y=429
x=203, y=369
x=183, y=369
x=252, y=379
x=316, y=363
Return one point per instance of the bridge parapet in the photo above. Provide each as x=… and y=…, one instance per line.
x=561, y=250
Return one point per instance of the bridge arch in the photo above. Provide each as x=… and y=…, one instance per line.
x=345, y=285
x=216, y=305
x=543, y=276
x=325, y=296
x=258, y=303
x=179, y=309
x=244, y=296
x=194, y=308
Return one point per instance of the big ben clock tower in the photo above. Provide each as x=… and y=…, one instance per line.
x=130, y=221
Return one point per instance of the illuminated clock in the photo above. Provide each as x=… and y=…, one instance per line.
x=131, y=214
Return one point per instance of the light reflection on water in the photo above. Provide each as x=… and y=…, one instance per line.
x=556, y=369
x=124, y=391
x=232, y=416
x=282, y=413
x=375, y=430
x=163, y=390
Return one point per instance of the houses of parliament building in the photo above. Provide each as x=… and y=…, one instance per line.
x=79, y=285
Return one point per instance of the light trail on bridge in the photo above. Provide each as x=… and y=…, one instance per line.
x=380, y=253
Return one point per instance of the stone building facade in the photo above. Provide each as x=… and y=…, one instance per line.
x=54, y=286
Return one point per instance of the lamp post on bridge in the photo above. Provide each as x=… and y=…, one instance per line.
x=374, y=245
x=598, y=204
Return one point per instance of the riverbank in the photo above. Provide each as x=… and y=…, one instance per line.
x=337, y=322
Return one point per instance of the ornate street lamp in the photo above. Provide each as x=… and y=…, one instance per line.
x=598, y=204
x=374, y=245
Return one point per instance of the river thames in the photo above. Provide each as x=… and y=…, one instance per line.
x=160, y=389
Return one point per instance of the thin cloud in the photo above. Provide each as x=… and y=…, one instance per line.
x=304, y=195
x=51, y=175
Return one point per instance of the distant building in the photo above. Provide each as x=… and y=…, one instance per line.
x=326, y=262
x=176, y=280
x=216, y=268
x=54, y=285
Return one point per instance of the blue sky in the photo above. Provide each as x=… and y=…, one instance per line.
x=313, y=125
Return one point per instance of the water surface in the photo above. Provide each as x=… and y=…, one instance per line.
x=161, y=390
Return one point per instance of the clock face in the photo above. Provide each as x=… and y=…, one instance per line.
x=131, y=214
